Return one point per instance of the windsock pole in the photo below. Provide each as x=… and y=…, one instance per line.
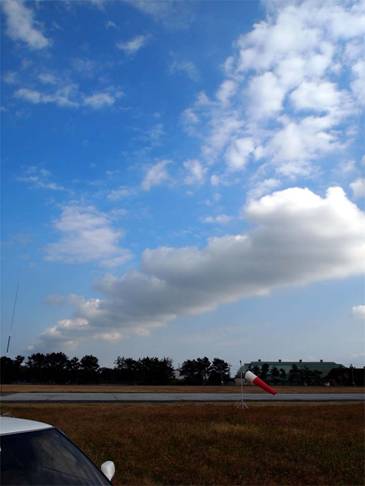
x=243, y=404
x=252, y=378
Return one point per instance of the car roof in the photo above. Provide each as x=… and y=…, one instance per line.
x=12, y=425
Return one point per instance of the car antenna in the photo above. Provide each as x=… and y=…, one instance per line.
x=12, y=318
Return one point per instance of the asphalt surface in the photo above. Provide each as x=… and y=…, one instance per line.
x=179, y=397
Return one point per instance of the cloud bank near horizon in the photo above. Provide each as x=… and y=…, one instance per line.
x=298, y=237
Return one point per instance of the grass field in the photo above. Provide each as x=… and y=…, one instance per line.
x=216, y=444
x=172, y=389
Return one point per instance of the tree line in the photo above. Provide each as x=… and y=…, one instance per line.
x=57, y=368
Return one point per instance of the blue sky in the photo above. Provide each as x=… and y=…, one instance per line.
x=184, y=178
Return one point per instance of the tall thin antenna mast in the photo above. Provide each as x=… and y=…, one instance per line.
x=12, y=318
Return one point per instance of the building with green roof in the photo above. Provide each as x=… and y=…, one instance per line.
x=322, y=367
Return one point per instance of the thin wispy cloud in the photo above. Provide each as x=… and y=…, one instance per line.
x=47, y=78
x=156, y=175
x=10, y=77
x=172, y=13
x=358, y=311
x=21, y=25
x=39, y=178
x=97, y=3
x=219, y=219
x=110, y=25
x=195, y=172
x=263, y=187
x=132, y=46
x=187, y=68
x=65, y=97
x=85, y=66
x=358, y=188
x=119, y=193
x=69, y=96
x=100, y=100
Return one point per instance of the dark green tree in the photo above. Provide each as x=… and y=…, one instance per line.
x=219, y=372
x=296, y=376
x=89, y=366
x=256, y=370
x=195, y=371
x=283, y=377
x=8, y=370
x=36, y=364
x=55, y=368
x=264, y=371
x=155, y=371
x=127, y=370
x=72, y=370
x=274, y=376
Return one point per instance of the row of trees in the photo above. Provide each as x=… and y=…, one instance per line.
x=203, y=372
x=59, y=369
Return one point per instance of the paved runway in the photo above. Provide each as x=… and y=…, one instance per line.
x=179, y=397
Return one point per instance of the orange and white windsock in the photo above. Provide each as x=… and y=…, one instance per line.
x=252, y=378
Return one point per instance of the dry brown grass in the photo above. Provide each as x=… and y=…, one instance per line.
x=172, y=389
x=199, y=444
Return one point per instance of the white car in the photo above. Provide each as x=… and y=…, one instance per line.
x=36, y=453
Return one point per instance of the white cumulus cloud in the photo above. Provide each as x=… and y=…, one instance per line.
x=238, y=153
x=86, y=235
x=293, y=86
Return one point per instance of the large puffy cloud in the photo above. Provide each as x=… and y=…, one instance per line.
x=319, y=96
x=298, y=238
x=266, y=95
